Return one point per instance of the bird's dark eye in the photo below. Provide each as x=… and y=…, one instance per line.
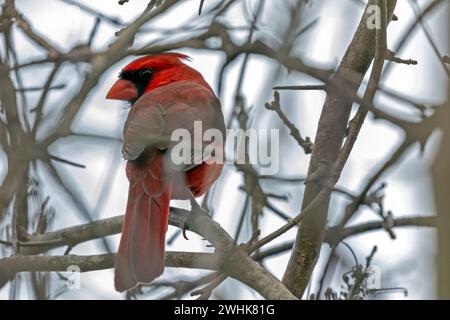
x=144, y=74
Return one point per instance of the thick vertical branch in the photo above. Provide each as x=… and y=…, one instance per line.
x=441, y=181
x=329, y=137
x=16, y=178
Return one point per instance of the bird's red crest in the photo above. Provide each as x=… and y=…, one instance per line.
x=147, y=73
x=158, y=61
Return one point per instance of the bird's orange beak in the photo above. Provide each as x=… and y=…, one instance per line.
x=122, y=90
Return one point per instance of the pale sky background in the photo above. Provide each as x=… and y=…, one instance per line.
x=406, y=262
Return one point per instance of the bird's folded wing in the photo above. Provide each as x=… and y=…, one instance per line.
x=155, y=116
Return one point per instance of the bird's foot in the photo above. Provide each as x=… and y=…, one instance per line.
x=184, y=232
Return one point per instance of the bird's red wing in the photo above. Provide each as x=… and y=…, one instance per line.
x=159, y=112
x=144, y=127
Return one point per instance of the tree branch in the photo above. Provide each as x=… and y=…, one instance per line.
x=330, y=134
x=237, y=263
x=12, y=265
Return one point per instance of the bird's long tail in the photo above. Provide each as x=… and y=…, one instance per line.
x=140, y=258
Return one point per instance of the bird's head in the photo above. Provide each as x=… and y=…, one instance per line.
x=147, y=73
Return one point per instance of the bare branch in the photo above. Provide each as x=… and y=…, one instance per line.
x=330, y=134
x=306, y=143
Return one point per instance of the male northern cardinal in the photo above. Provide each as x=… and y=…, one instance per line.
x=165, y=94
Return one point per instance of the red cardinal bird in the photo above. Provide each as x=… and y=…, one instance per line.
x=165, y=94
